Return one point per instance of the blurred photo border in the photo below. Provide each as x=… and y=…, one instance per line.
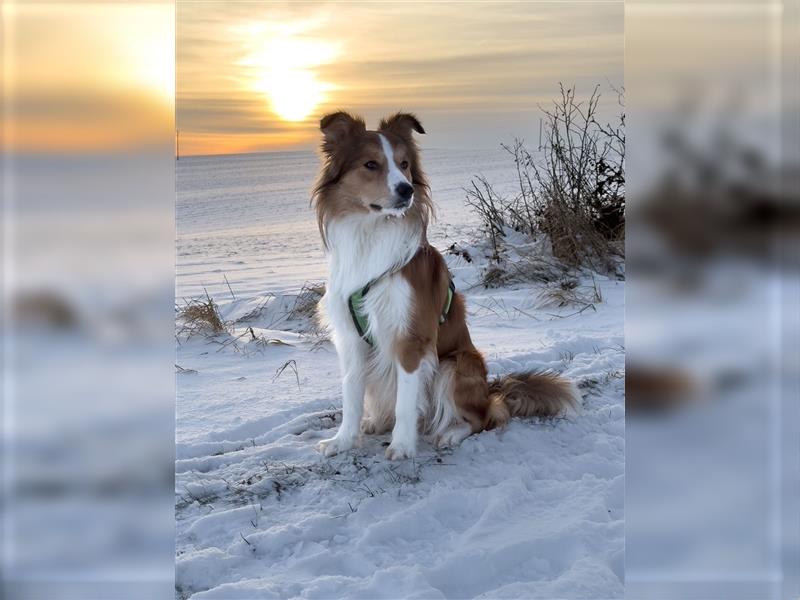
x=88, y=298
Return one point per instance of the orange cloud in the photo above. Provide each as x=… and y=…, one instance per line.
x=87, y=77
x=258, y=77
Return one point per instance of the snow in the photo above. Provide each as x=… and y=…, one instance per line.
x=532, y=511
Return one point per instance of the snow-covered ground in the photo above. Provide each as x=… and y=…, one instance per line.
x=533, y=511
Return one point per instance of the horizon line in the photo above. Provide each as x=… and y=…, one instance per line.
x=315, y=150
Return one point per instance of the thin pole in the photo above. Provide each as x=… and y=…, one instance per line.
x=540, y=134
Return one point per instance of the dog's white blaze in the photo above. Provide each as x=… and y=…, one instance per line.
x=395, y=176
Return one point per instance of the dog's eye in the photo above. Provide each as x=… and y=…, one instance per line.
x=371, y=165
x=404, y=165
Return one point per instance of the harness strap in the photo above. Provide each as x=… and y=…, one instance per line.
x=451, y=289
x=356, y=305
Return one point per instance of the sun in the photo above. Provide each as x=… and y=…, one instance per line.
x=293, y=94
x=285, y=67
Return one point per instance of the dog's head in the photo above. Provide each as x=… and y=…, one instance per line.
x=367, y=172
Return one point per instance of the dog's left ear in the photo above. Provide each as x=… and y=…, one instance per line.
x=337, y=126
x=402, y=124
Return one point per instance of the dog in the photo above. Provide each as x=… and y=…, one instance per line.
x=407, y=361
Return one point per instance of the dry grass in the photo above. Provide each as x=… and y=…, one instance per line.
x=495, y=276
x=568, y=293
x=563, y=294
x=261, y=341
x=535, y=267
x=573, y=236
x=305, y=305
x=532, y=267
x=201, y=317
x=305, y=308
x=256, y=312
x=291, y=364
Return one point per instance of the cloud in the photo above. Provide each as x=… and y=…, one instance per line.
x=471, y=61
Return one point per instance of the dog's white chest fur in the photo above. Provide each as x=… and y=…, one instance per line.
x=365, y=251
x=362, y=250
x=365, y=247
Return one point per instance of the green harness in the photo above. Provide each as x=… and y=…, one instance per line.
x=356, y=304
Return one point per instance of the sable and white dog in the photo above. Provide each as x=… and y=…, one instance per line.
x=407, y=360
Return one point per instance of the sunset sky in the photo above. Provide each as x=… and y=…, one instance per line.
x=257, y=76
x=94, y=77
x=87, y=77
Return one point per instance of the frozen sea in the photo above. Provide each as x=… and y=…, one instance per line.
x=248, y=217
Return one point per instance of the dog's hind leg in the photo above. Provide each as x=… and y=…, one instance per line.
x=453, y=435
x=445, y=425
x=378, y=407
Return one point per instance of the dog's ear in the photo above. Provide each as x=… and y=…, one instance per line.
x=339, y=126
x=401, y=124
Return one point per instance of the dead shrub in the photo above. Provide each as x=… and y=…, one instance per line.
x=201, y=316
x=572, y=189
x=490, y=209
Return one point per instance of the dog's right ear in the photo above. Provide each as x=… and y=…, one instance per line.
x=339, y=126
x=402, y=124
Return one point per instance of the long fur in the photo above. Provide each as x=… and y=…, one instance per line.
x=534, y=394
x=420, y=372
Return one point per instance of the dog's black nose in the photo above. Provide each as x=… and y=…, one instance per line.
x=404, y=190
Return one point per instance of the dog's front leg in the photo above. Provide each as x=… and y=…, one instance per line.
x=404, y=434
x=352, y=406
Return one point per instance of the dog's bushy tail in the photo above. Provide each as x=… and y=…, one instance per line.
x=532, y=394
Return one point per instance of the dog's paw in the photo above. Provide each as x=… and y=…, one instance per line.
x=401, y=450
x=453, y=436
x=336, y=445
